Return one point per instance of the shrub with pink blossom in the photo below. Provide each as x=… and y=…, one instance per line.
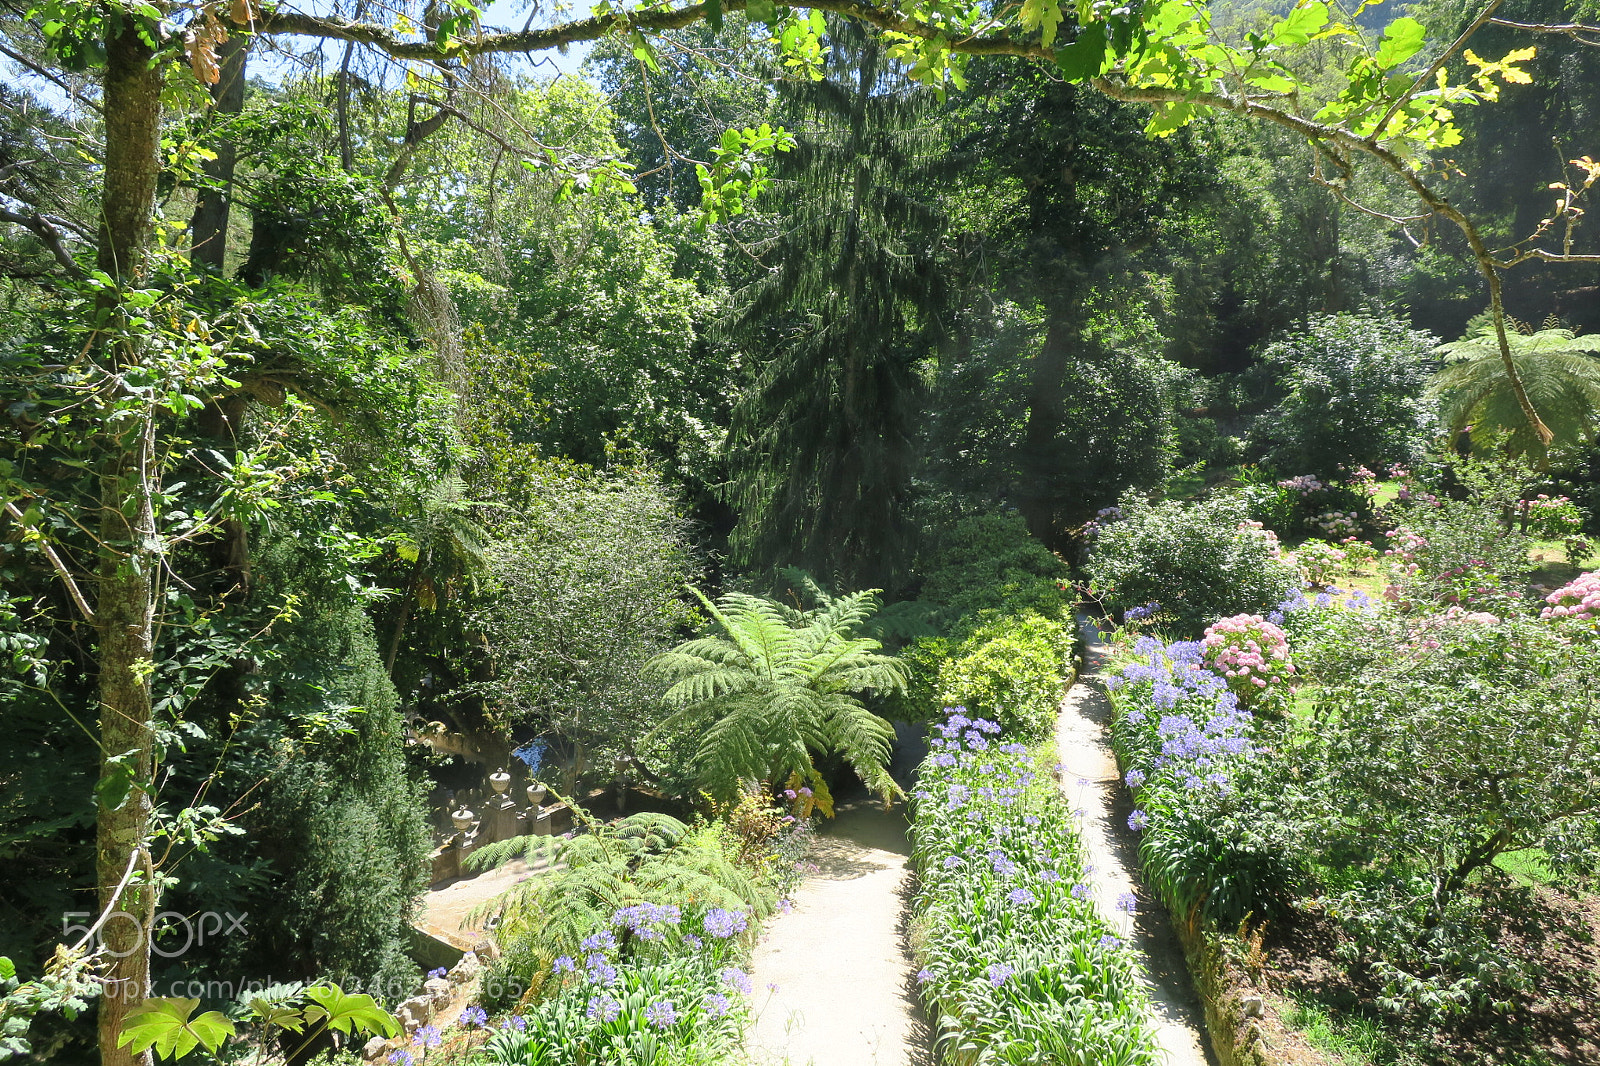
x=1553, y=518
x=1578, y=599
x=1251, y=653
x=1319, y=561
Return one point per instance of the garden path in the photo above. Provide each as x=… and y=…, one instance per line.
x=839, y=957
x=445, y=909
x=1092, y=785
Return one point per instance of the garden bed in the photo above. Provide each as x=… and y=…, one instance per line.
x=1557, y=1023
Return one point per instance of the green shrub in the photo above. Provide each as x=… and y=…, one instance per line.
x=334, y=858
x=1198, y=561
x=1010, y=670
x=1004, y=604
x=1356, y=387
x=988, y=564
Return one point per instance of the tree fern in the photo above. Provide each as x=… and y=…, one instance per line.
x=1558, y=368
x=776, y=686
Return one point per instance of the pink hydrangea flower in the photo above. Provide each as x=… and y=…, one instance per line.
x=1251, y=652
x=1578, y=599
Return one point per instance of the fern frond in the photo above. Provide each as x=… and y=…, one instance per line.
x=530, y=849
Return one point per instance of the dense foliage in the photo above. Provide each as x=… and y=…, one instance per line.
x=371, y=397
x=1354, y=389
x=1192, y=562
x=1404, y=754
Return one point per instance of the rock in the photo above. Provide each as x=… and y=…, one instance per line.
x=437, y=989
x=374, y=1048
x=465, y=970
x=415, y=1012
x=1253, y=1006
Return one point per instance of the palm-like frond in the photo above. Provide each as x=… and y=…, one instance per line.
x=645, y=856
x=775, y=687
x=1559, y=370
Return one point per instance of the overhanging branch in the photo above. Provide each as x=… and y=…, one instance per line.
x=596, y=27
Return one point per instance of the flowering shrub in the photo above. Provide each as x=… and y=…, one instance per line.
x=1337, y=524
x=1304, y=484
x=1184, y=740
x=1018, y=964
x=1358, y=554
x=1319, y=561
x=1252, y=653
x=1580, y=598
x=1551, y=518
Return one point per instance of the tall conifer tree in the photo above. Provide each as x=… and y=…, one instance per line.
x=823, y=445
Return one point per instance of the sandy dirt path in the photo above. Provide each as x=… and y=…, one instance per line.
x=845, y=995
x=1090, y=781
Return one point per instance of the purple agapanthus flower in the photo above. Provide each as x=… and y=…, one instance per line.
x=603, y=1008
x=723, y=924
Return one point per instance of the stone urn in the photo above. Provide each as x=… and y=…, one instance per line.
x=500, y=781
x=462, y=819
x=536, y=793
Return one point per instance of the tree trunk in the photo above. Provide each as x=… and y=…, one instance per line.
x=1038, y=498
x=128, y=555
x=209, y=224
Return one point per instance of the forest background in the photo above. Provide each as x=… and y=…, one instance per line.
x=457, y=385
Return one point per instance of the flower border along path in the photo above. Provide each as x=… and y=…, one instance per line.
x=1018, y=962
x=1109, y=825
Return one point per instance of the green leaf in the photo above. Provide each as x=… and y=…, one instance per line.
x=1044, y=16
x=342, y=1013
x=116, y=781
x=644, y=53
x=1273, y=83
x=714, y=14
x=1085, y=57
x=762, y=10
x=278, y=1015
x=1301, y=24
x=1402, y=39
x=165, y=1024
